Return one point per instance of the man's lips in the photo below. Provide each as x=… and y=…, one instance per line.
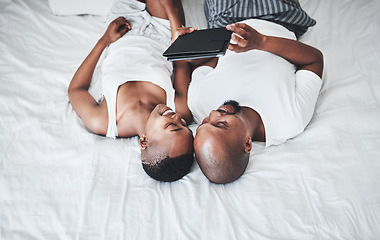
x=227, y=109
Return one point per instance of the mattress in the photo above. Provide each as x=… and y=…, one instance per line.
x=58, y=181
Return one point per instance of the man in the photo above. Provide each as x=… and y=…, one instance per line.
x=272, y=79
x=137, y=91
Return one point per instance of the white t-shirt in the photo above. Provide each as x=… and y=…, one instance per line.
x=137, y=56
x=269, y=84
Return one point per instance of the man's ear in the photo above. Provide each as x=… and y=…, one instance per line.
x=248, y=145
x=143, y=142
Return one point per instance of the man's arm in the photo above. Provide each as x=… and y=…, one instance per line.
x=303, y=56
x=83, y=103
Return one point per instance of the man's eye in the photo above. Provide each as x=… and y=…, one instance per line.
x=183, y=122
x=222, y=125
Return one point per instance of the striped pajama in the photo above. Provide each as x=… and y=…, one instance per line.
x=288, y=13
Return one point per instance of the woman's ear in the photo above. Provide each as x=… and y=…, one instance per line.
x=248, y=145
x=143, y=142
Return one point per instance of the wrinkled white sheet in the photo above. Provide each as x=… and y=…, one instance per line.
x=58, y=181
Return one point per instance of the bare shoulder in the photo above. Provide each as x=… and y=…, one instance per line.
x=96, y=119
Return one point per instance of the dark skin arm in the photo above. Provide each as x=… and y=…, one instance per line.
x=175, y=14
x=168, y=9
x=182, y=76
x=303, y=56
x=182, y=79
x=92, y=114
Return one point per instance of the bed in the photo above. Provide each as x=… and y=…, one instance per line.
x=58, y=181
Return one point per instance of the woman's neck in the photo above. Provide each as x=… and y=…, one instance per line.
x=141, y=118
x=133, y=120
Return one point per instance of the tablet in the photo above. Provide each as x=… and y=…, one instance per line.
x=199, y=44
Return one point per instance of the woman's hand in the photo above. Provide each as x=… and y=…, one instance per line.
x=116, y=30
x=181, y=31
x=245, y=37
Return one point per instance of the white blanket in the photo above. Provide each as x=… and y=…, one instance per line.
x=58, y=181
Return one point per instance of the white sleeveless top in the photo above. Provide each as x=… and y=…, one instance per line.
x=134, y=58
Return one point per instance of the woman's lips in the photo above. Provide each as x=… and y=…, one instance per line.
x=166, y=111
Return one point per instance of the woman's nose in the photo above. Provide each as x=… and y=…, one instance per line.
x=177, y=117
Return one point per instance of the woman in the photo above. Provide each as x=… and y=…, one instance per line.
x=138, y=96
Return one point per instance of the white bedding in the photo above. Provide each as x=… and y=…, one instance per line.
x=58, y=181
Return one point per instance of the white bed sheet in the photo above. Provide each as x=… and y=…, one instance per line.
x=58, y=181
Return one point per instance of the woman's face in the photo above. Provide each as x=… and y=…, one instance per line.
x=167, y=132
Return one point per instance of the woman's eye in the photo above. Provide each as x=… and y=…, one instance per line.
x=170, y=124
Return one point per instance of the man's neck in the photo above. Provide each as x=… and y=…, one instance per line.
x=256, y=126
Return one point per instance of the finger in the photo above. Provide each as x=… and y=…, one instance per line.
x=189, y=29
x=118, y=20
x=185, y=30
x=239, y=40
x=240, y=25
x=129, y=27
x=122, y=21
x=123, y=24
x=124, y=30
x=231, y=46
x=238, y=28
x=236, y=48
x=240, y=31
x=121, y=28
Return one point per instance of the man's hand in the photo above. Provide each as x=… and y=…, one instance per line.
x=116, y=30
x=303, y=56
x=182, y=31
x=245, y=37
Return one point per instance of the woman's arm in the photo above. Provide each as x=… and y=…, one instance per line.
x=176, y=16
x=302, y=55
x=83, y=103
x=182, y=79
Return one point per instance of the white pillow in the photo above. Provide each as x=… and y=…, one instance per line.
x=77, y=7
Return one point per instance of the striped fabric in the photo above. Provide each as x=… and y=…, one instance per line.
x=288, y=13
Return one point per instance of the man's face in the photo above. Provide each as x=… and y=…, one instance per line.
x=168, y=132
x=223, y=127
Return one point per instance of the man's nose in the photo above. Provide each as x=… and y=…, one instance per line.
x=206, y=120
x=214, y=116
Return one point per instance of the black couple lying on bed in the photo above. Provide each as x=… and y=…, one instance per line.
x=141, y=98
